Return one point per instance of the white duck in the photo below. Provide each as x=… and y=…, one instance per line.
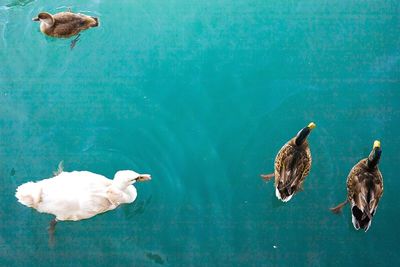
x=79, y=195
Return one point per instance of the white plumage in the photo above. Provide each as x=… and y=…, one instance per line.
x=79, y=195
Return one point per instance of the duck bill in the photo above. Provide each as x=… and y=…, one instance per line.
x=144, y=177
x=311, y=126
x=35, y=19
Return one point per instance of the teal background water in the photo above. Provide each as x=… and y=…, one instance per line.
x=201, y=94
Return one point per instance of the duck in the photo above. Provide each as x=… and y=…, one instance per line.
x=79, y=195
x=65, y=24
x=292, y=165
x=364, y=189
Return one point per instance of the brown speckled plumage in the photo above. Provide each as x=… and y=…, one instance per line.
x=292, y=165
x=364, y=190
x=67, y=24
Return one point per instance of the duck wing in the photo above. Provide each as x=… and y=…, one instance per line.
x=365, y=188
x=68, y=24
x=75, y=195
x=292, y=165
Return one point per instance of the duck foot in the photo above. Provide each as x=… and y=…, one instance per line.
x=267, y=177
x=73, y=42
x=51, y=230
x=339, y=207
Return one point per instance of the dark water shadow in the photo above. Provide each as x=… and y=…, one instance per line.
x=156, y=258
x=138, y=208
x=17, y=3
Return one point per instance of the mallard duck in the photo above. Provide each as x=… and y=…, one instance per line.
x=292, y=165
x=364, y=189
x=79, y=195
x=65, y=24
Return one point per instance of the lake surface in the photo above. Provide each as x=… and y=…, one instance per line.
x=202, y=95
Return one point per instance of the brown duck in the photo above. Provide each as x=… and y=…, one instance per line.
x=292, y=165
x=364, y=189
x=65, y=24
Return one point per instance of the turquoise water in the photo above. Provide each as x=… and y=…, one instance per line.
x=201, y=94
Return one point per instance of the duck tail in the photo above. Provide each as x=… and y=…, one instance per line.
x=29, y=194
x=96, y=24
x=360, y=219
x=284, y=194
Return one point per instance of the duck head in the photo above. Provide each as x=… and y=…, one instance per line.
x=303, y=134
x=375, y=155
x=46, y=18
x=123, y=179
